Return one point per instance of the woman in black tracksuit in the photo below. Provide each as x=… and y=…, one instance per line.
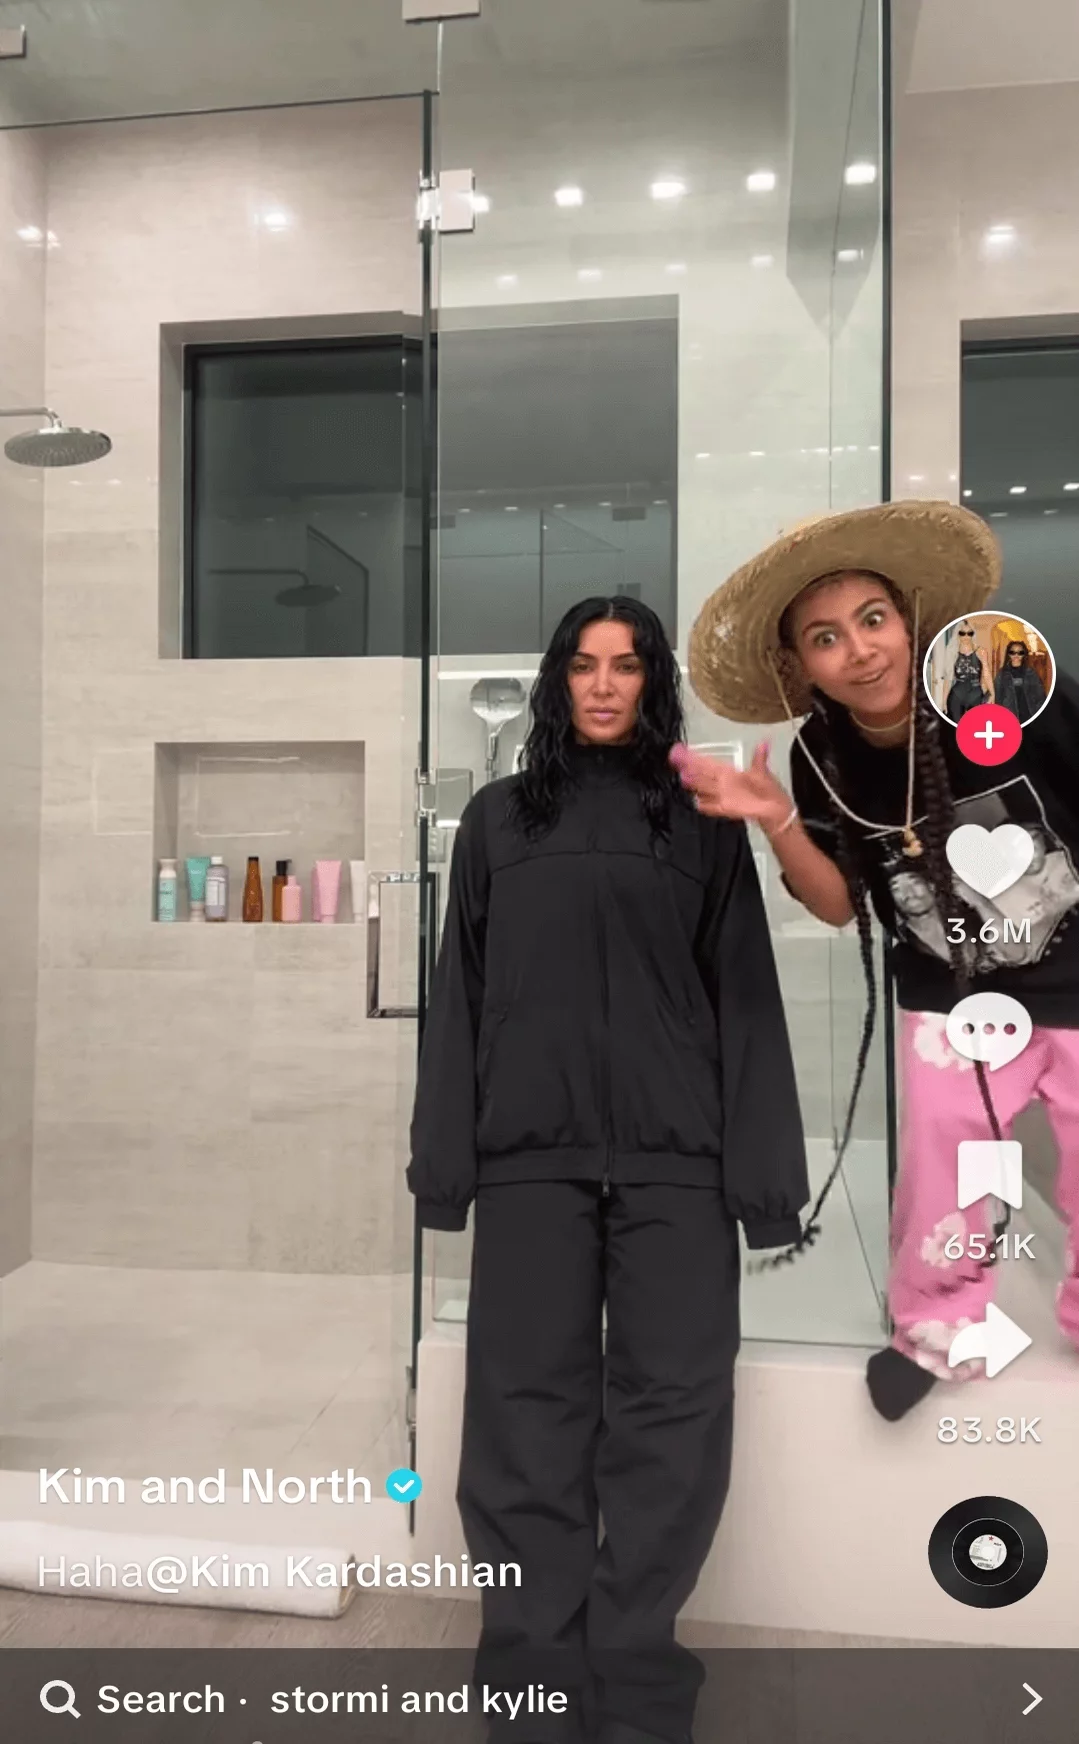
x=606, y=1073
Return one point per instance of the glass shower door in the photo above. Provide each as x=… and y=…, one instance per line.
x=655, y=351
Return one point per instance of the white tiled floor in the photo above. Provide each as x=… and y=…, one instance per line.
x=132, y=1371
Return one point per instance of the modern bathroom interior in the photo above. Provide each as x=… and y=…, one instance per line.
x=207, y=1243
x=654, y=340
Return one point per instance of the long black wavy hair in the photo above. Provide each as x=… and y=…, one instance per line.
x=934, y=812
x=546, y=776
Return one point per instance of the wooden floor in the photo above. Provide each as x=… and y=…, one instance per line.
x=373, y=1620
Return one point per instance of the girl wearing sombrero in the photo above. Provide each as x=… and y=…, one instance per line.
x=828, y=629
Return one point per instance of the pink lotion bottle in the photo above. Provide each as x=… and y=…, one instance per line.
x=292, y=901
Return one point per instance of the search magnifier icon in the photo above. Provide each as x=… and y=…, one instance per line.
x=67, y=1706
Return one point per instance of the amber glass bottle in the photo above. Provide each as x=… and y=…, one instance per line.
x=284, y=867
x=252, y=909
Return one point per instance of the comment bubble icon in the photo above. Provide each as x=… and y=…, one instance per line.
x=989, y=1027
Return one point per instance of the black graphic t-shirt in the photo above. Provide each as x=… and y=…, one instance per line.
x=1039, y=789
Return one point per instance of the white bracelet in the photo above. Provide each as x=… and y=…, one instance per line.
x=785, y=825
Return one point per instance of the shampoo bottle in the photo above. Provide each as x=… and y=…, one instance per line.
x=217, y=889
x=168, y=886
x=284, y=867
x=252, y=909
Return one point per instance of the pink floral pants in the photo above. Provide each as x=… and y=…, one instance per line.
x=931, y=1295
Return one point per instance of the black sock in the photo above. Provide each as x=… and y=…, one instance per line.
x=896, y=1383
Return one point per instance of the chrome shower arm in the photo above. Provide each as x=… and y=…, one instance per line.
x=29, y=412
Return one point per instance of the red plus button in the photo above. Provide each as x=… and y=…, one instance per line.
x=989, y=734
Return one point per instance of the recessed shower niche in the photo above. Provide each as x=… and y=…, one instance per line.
x=300, y=802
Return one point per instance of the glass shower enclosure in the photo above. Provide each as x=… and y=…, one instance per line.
x=660, y=342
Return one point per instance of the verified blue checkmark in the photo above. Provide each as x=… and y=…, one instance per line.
x=404, y=1484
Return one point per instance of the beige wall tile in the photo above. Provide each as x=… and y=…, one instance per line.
x=965, y=160
x=22, y=287
x=164, y=1037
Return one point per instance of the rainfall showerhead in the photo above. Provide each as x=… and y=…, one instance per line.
x=55, y=444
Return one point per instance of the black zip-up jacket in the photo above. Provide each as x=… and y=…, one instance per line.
x=602, y=1011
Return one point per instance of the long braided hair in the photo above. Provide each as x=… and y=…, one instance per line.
x=935, y=811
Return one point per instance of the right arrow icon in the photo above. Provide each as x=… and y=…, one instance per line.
x=1037, y=1698
x=996, y=1338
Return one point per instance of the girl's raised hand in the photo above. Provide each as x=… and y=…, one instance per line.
x=720, y=790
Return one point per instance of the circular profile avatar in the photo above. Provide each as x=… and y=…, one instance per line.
x=988, y=657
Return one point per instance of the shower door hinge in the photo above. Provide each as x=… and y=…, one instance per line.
x=410, y=1402
x=426, y=797
x=448, y=205
x=438, y=11
x=13, y=42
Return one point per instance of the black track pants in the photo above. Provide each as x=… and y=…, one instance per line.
x=558, y=1434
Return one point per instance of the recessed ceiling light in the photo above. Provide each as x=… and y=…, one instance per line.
x=569, y=196
x=874, y=448
x=464, y=511
x=677, y=266
x=917, y=478
x=1071, y=487
x=848, y=254
x=998, y=514
x=761, y=181
x=968, y=493
x=1050, y=511
x=30, y=233
x=590, y=273
x=860, y=175
x=507, y=279
x=1000, y=235
x=481, y=202
x=605, y=505
x=1017, y=490
x=512, y=509
x=276, y=220
x=560, y=505
x=762, y=260
x=668, y=188
x=704, y=456
x=756, y=454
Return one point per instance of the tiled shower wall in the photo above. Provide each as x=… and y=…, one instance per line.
x=22, y=264
x=206, y=1096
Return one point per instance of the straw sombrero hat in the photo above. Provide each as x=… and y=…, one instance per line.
x=944, y=553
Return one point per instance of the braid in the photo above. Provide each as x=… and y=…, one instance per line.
x=849, y=861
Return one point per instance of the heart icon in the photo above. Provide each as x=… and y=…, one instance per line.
x=990, y=861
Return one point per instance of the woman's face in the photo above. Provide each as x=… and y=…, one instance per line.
x=1016, y=653
x=606, y=680
x=854, y=645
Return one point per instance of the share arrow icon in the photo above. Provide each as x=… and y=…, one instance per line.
x=996, y=1338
